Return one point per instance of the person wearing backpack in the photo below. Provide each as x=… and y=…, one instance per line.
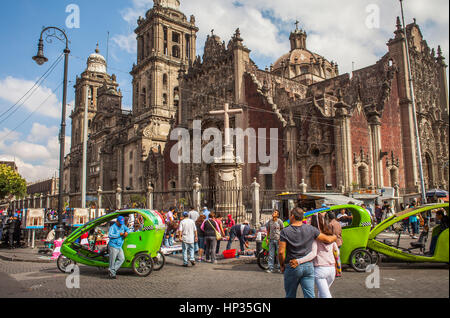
x=210, y=228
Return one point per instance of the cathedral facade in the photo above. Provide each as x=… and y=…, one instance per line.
x=336, y=132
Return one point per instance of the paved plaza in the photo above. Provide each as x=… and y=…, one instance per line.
x=236, y=278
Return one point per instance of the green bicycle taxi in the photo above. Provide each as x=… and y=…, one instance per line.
x=141, y=248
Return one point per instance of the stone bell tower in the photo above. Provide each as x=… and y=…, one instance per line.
x=166, y=42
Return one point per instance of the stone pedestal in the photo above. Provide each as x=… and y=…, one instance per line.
x=229, y=190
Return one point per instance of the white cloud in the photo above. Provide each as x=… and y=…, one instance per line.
x=41, y=132
x=126, y=42
x=7, y=135
x=12, y=89
x=38, y=157
x=28, y=151
x=30, y=172
x=335, y=30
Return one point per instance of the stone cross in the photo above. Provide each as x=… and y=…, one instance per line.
x=228, y=156
x=296, y=24
x=226, y=112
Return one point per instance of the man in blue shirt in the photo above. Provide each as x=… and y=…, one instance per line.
x=117, y=234
x=206, y=212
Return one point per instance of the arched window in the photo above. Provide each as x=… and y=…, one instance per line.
x=173, y=186
x=176, y=51
x=164, y=99
x=363, y=177
x=176, y=96
x=165, y=41
x=428, y=170
x=393, y=172
x=144, y=97
x=165, y=81
x=317, y=178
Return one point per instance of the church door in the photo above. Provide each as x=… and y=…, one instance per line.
x=317, y=178
x=428, y=171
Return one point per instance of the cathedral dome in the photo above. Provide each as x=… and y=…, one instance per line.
x=96, y=62
x=302, y=64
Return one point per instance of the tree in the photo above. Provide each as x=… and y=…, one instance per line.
x=11, y=183
x=137, y=200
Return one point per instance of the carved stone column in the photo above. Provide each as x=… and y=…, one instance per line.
x=196, y=194
x=303, y=186
x=99, y=194
x=118, y=197
x=149, y=196
x=344, y=164
x=47, y=200
x=255, y=204
x=375, y=147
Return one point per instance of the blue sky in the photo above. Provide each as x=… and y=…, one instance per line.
x=335, y=30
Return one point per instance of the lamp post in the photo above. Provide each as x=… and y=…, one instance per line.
x=40, y=59
x=413, y=102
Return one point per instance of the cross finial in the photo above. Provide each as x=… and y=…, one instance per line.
x=212, y=32
x=97, y=49
x=296, y=24
x=226, y=112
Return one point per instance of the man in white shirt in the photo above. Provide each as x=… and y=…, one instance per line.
x=187, y=233
x=193, y=214
x=344, y=219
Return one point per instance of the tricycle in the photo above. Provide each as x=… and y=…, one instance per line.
x=141, y=247
x=354, y=250
x=416, y=250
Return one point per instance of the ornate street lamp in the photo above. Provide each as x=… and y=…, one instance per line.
x=54, y=32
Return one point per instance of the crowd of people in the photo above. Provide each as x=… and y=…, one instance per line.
x=307, y=251
x=201, y=233
x=11, y=230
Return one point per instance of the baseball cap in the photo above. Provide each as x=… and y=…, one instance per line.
x=121, y=220
x=185, y=214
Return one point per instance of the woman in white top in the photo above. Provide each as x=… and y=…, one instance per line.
x=323, y=258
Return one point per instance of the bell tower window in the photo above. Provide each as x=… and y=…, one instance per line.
x=188, y=46
x=165, y=41
x=176, y=96
x=176, y=51
x=144, y=97
x=175, y=37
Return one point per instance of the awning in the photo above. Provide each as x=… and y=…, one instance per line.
x=334, y=199
x=365, y=196
x=438, y=193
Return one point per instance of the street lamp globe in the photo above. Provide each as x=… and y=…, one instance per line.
x=40, y=58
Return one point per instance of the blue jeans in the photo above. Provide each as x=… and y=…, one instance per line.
x=168, y=240
x=415, y=228
x=116, y=259
x=273, y=249
x=241, y=241
x=303, y=275
x=188, y=249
